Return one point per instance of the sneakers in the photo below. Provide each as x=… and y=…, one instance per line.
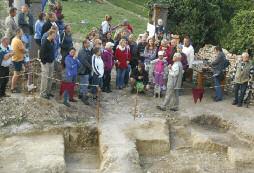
x=5, y=95
x=31, y=87
x=67, y=104
x=45, y=96
x=161, y=108
x=51, y=95
x=15, y=90
x=85, y=100
x=73, y=100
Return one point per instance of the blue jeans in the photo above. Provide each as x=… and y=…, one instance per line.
x=218, y=89
x=127, y=75
x=84, y=79
x=120, y=74
x=96, y=81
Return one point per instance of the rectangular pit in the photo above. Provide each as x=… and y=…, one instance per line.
x=81, y=150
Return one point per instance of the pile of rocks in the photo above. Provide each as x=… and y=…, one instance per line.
x=208, y=53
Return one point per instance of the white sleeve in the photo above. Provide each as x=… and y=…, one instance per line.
x=174, y=71
x=105, y=27
x=192, y=57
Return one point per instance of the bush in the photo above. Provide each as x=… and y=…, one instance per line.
x=241, y=36
x=208, y=21
x=202, y=20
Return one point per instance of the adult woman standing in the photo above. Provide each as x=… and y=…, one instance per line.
x=66, y=41
x=149, y=55
x=38, y=28
x=123, y=57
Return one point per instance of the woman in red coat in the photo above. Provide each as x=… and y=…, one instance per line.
x=123, y=57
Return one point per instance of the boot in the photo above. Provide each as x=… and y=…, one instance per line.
x=85, y=100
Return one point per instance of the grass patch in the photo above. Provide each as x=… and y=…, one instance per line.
x=135, y=6
x=94, y=13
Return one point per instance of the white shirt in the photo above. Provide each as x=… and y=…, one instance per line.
x=189, y=52
x=98, y=65
x=6, y=63
x=105, y=27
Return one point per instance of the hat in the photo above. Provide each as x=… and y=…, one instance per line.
x=109, y=45
x=160, y=53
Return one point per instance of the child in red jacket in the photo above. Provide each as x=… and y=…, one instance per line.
x=123, y=57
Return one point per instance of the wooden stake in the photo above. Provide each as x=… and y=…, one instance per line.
x=98, y=105
x=136, y=106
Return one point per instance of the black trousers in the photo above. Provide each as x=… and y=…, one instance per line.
x=4, y=73
x=240, y=90
x=106, y=80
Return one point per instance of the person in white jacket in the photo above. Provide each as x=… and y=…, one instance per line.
x=188, y=50
x=175, y=74
x=98, y=69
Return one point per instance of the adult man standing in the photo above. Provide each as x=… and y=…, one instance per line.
x=5, y=61
x=18, y=58
x=85, y=69
x=218, y=66
x=47, y=64
x=26, y=22
x=175, y=75
x=188, y=50
x=10, y=24
x=242, y=75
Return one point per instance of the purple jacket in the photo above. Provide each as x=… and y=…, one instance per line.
x=108, y=59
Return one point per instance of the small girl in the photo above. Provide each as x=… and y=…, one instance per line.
x=159, y=70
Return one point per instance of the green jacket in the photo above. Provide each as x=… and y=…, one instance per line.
x=242, y=72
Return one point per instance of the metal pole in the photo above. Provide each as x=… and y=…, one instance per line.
x=18, y=4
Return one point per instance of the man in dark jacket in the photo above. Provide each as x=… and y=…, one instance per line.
x=139, y=75
x=66, y=41
x=26, y=23
x=51, y=20
x=218, y=72
x=85, y=59
x=47, y=64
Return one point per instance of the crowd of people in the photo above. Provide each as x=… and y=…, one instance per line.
x=159, y=62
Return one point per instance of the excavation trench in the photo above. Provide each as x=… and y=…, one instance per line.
x=60, y=150
x=204, y=144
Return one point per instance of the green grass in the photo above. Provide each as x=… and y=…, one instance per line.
x=74, y=12
x=136, y=6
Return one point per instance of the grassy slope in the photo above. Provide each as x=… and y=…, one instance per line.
x=74, y=12
x=136, y=6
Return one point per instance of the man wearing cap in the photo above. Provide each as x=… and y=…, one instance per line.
x=108, y=59
x=10, y=24
x=175, y=75
x=85, y=69
x=5, y=61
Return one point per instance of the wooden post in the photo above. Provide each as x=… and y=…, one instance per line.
x=136, y=106
x=98, y=105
